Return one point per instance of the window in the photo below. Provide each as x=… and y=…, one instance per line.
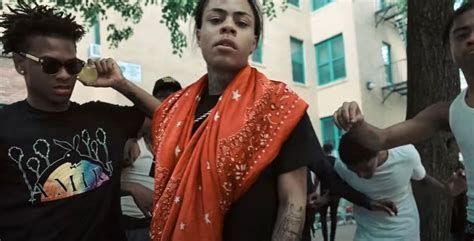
x=297, y=60
x=96, y=30
x=317, y=4
x=330, y=60
x=257, y=56
x=330, y=133
x=295, y=3
x=387, y=63
x=382, y=4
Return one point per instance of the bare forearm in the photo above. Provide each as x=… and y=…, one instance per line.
x=369, y=136
x=290, y=222
x=142, y=100
x=433, y=182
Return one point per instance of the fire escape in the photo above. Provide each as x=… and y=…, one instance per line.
x=391, y=14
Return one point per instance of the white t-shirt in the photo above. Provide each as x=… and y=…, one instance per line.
x=461, y=119
x=390, y=181
x=139, y=172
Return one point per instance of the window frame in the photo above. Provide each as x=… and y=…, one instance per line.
x=328, y=43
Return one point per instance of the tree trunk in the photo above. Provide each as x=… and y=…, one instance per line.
x=432, y=77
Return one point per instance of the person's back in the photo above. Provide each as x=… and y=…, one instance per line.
x=391, y=180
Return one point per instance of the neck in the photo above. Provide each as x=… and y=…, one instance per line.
x=218, y=80
x=382, y=157
x=469, y=75
x=48, y=107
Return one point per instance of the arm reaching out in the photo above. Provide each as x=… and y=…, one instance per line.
x=435, y=117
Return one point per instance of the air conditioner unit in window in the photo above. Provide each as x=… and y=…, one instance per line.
x=94, y=51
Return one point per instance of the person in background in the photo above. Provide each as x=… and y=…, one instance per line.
x=333, y=203
x=387, y=174
x=137, y=176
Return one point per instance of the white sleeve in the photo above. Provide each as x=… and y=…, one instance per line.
x=419, y=171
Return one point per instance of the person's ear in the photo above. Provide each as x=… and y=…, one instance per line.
x=198, y=37
x=20, y=63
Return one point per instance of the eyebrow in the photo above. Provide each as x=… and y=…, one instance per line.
x=459, y=29
x=224, y=12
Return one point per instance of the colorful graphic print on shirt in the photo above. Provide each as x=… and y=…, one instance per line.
x=74, y=173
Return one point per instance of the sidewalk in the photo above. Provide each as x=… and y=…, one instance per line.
x=343, y=233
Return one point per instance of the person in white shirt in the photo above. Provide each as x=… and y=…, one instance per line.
x=138, y=175
x=456, y=116
x=386, y=174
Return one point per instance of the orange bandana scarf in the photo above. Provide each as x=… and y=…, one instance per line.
x=199, y=175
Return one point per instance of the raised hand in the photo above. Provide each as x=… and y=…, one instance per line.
x=109, y=73
x=348, y=116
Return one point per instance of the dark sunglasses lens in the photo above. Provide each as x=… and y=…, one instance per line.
x=73, y=67
x=50, y=65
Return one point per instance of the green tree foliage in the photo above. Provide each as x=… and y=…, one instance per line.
x=174, y=13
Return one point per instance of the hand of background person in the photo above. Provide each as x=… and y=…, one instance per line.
x=384, y=205
x=317, y=201
x=457, y=183
x=131, y=151
x=143, y=197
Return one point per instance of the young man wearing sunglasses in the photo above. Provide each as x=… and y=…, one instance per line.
x=60, y=161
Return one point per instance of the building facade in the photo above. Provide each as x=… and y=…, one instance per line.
x=328, y=51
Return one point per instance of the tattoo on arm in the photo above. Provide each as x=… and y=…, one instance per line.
x=289, y=224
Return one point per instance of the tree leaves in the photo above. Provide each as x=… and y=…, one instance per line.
x=174, y=14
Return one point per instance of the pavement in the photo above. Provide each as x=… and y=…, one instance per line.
x=343, y=233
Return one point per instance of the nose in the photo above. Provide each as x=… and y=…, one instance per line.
x=228, y=27
x=62, y=74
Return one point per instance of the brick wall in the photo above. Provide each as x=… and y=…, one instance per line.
x=12, y=85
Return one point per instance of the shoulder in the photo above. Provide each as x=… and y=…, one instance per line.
x=11, y=109
x=438, y=111
x=103, y=107
x=96, y=104
x=406, y=152
x=341, y=168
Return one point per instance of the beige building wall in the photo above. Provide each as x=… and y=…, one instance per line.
x=333, y=19
x=369, y=43
x=150, y=47
x=294, y=22
x=363, y=59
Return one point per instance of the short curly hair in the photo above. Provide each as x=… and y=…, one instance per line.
x=27, y=20
x=457, y=13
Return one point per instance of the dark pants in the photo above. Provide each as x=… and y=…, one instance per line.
x=136, y=229
x=469, y=232
x=333, y=215
x=138, y=234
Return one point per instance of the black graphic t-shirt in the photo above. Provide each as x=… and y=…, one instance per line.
x=60, y=172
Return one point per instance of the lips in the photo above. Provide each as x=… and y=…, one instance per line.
x=62, y=90
x=226, y=43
